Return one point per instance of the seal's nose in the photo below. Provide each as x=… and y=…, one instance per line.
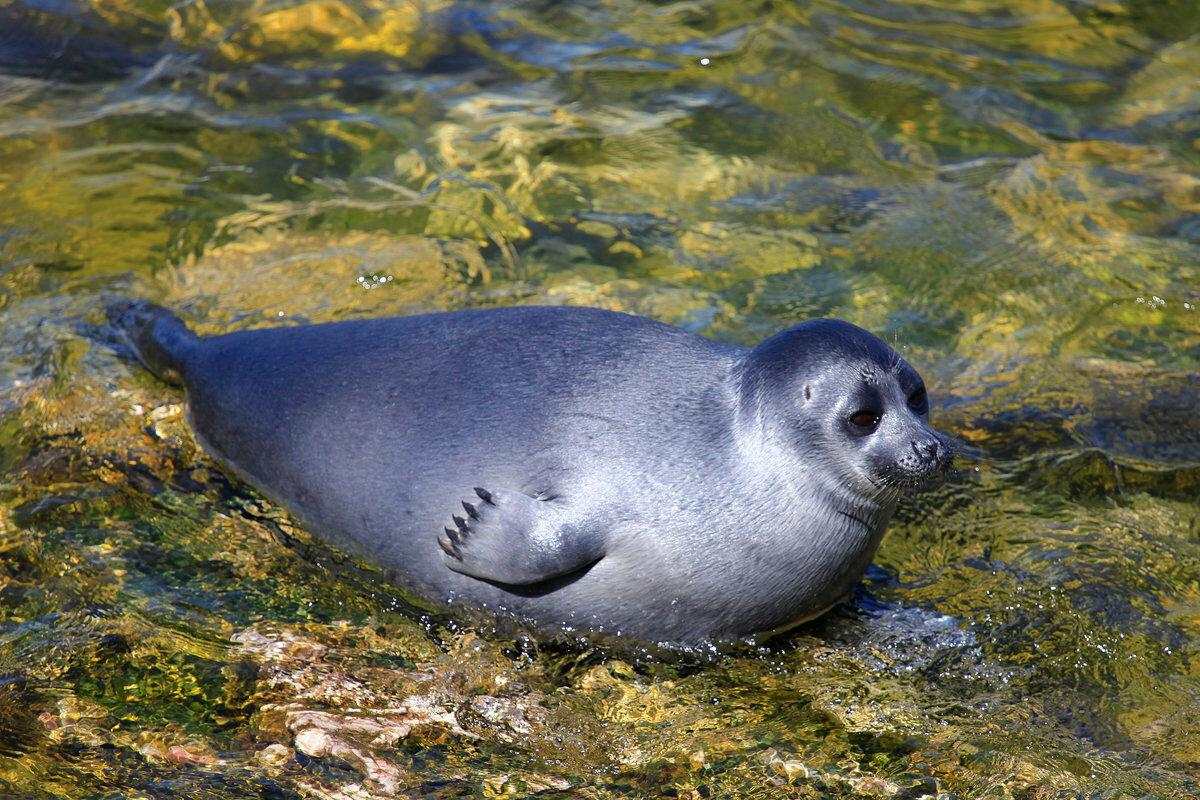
x=931, y=451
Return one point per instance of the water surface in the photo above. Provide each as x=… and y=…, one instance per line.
x=1008, y=192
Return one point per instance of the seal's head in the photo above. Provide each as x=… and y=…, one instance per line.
x=832, y=393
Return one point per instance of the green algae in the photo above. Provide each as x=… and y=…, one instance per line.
x=1006, y=191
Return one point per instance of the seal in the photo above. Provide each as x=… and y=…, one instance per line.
x=584, y=470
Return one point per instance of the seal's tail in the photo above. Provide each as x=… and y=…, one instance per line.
x=157, y=337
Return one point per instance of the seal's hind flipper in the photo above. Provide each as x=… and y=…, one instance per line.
x=157, y=337
x=108, y=336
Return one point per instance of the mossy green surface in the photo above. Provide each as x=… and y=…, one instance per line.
x=1007, y=191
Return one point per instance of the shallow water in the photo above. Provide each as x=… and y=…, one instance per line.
x=1006, y=191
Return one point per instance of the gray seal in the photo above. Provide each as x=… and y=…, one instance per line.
x=581, y=469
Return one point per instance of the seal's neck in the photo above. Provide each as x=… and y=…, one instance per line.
x=751, y=386
x=873, y=510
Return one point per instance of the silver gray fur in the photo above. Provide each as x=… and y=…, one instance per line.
x=635, y=478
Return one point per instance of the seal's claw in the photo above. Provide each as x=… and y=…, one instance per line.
x=449, y=548
x=495, y=541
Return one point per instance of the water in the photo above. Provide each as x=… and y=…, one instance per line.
x=1006, y=191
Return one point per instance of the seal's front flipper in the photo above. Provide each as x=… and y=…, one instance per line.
x=510, y=537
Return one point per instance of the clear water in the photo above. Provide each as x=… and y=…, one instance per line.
x=1006, y=191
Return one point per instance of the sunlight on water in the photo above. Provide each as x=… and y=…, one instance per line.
x=1006, y=191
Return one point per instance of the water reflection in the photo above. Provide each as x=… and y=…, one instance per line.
x=1006, y=191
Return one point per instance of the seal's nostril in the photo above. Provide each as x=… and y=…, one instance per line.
x=926, y=450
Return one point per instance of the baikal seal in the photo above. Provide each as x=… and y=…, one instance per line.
x=581, y=469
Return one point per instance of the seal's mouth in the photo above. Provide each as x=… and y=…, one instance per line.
x=909, y=483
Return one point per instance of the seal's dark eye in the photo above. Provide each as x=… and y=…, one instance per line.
x=919, y=401
x=865, y=419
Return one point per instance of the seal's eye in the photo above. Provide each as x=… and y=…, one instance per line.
x=918, y=401
x=865, y=420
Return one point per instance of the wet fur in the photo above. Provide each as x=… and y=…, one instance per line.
x=681, y=490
